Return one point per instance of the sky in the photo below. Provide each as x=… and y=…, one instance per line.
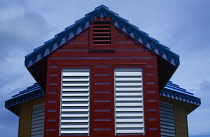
x=183, y=26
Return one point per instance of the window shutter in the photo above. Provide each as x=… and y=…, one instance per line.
x=75, y=102
x=101, y=33
x=167, y=120
x=37, y=125
x=129, y=116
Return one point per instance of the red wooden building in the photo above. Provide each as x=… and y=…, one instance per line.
x=102, y=77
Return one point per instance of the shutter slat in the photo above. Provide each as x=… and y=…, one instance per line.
x=131, y=83
x=74, y=121
x=38, y=118
x=128, y=114
x=75, y=99
x=128, y=98
x=129, y=94
x=76, y=74
x=73, y=132
x=127, y=89
x=74, y=110
x=129, y=120
x=74, y=79
x=74, y=115
x=140, y=130
x=74, y=126
x=69, y=94
x=129, y=104
x=83, y=103
x=128, y=74
x=130, y=109
x=128, y=79
x=68, y=88
x=128, y=125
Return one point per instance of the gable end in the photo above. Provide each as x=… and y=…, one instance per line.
x=83, y=23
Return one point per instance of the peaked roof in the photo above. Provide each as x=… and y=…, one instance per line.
x=83, y=23
x=170, y=90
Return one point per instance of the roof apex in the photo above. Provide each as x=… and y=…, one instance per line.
x=102, y=6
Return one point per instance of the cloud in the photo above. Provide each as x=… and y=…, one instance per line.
x=21, y=30
x=8, y=124
x=188, y=36
x=200, y=118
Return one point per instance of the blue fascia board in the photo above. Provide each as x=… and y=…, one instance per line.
x=83, y=23
x=180, y=96
x=31, y=92
x=24, y=97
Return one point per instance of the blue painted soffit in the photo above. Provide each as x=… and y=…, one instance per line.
x=170, y=90
x=83, y=23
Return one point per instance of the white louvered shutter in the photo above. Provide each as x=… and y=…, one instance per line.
x=75, y=102
x=129, y=116
x=167, y=120
x=37, y=125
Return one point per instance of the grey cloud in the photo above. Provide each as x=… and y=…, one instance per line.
x=24, y=29
x=21, y=30
x=192, y=30
x=200, y=119
x=8, y=124
x=20, y=33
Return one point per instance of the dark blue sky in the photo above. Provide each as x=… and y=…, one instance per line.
x=183, y=26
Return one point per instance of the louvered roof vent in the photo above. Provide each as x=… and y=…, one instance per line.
x=102, y=33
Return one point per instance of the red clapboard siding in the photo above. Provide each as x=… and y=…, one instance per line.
x=127, y=53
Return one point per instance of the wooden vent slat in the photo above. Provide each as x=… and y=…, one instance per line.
x=101, y=22
x=102, y=33
x=95, y=29
x=99, y=26
x=101, y=37
x=102, y=40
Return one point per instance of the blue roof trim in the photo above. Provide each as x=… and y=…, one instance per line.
x=174, y=91
x=30, y=93
x=83, y=23
x=175, y=87
x=35, y=91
